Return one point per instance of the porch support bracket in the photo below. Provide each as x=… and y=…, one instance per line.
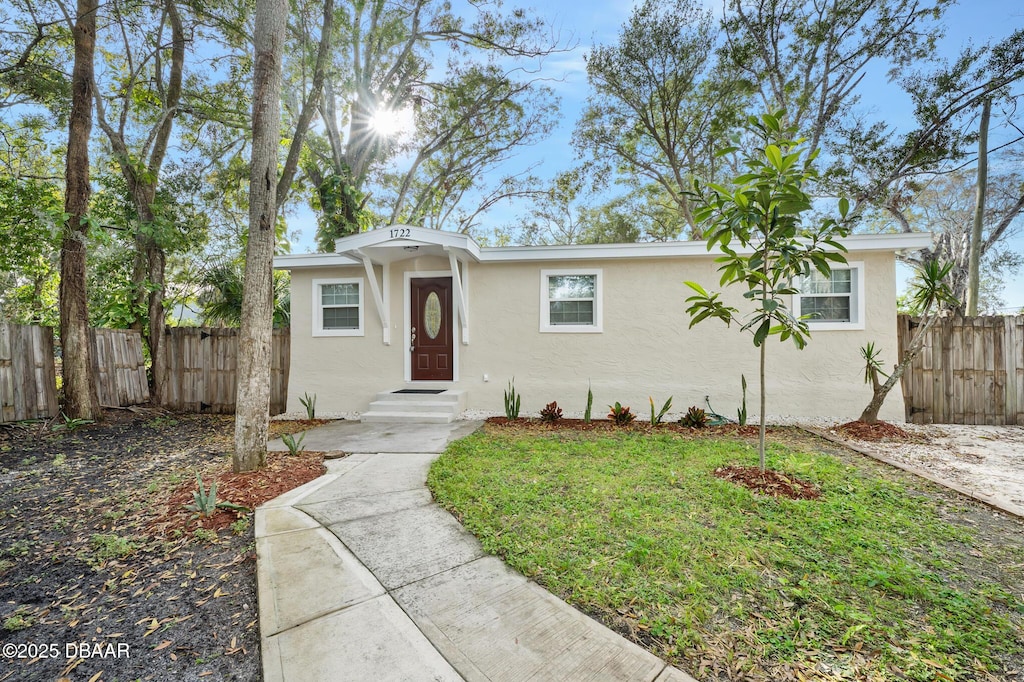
x=381, y=301
x=461, y=304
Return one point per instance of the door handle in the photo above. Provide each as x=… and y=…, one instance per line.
x=412, y=341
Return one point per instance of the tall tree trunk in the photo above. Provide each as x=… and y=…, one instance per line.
x=974, y=264
x=149, y=274
x=252, y=408
x=149, y=267
x=157, y=320
x=80, y=398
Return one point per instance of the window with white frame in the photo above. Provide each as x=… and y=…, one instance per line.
x=833, y=302
x=338, y=307
x=570, y=301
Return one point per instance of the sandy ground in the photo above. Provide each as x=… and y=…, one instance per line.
x=987, y=461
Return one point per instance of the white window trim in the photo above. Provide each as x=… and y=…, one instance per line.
x=857, y=306
x=545, y=308
x=318, y=318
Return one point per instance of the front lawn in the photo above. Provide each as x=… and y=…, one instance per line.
x=884, y=576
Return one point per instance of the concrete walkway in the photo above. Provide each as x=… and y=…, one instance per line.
x=363, y=577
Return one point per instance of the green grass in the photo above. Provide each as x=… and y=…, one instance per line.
x=869, y=580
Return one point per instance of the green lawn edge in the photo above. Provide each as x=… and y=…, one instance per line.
x=874, y=580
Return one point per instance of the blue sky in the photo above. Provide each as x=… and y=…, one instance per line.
x=598, y=21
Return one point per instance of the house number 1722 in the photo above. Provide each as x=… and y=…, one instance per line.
x=401, y=232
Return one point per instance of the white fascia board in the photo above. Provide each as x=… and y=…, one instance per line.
x=860, y=242
x=888, y=242
x=593, y=251
x=312, y=260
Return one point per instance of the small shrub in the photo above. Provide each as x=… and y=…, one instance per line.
x=741, y=413
x=695, y=418
x=551, y=412
x=204, y=501
x=512, y=400
x=70, y=424
x=309, y=402
x=590, y=404
x=294, y=446
x=656, y=418
x=620, y=415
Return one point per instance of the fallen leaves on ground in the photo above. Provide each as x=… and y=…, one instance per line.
x=769, y=482
x=96, y=548
x=283, y=472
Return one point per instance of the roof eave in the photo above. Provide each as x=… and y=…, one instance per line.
x=867, y=242
x=861, y=242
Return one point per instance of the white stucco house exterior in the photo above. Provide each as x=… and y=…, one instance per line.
x=412, y=308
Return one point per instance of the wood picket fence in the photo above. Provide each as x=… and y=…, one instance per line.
x=202, y=364
x=119, y=367
x=970, y=371
x=28, y=381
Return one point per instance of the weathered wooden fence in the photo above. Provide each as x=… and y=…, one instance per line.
x=119, y=367
x=970, y=371
x=28, y=383
x=201, y=369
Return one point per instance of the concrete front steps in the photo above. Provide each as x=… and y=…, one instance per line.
x=422, y=408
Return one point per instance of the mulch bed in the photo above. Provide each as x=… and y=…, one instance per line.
x=528, y=424
x=879, y=431
x=96, y=549
x=768, y=482
x=283, y=472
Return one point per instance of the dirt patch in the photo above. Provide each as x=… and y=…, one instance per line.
x=768, y=482
x=281, y=427
x=105, y=575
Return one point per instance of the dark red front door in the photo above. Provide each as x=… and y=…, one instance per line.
x=433, y=353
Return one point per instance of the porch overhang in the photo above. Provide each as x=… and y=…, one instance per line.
x=387, y=245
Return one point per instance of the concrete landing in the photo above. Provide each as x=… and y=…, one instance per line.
x=363, y=577
x=352, y=436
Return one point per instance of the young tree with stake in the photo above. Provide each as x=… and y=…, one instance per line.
x=757, y=226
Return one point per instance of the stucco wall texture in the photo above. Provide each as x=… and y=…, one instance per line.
x=645, y=348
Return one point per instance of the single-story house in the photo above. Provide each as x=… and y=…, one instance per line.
x=411, y=309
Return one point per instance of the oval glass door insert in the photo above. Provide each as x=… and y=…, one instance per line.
x=432, y=315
